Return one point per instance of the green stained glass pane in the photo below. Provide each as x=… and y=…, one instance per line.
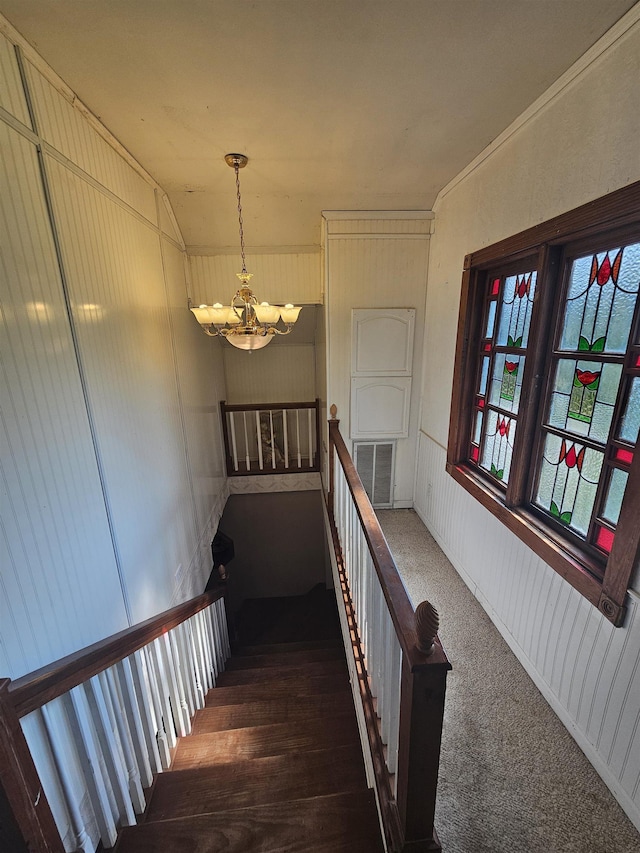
x=615, y=493
x=498, y=445
x=506, y=381
x=491, y=319
x=630, y=421
x=601, y=298
x=568, y=482
x=583, y=398
x=484, y=375
x=515, y=310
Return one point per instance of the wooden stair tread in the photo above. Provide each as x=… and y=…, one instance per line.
x=305, y=685
x=276, y=648
x=231, y=677
x=335, y=823
x=258, y=781
x=201, y=750
x=287, y=708
x=301, y=657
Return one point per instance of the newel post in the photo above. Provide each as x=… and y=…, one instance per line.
x=333, y=424
x=423, y=687
x=21, y=784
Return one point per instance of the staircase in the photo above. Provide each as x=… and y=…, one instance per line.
x=274, y=761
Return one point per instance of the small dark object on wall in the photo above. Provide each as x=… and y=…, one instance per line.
x=222, y=551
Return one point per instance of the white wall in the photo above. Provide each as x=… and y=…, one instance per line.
x=375, y=261
x=112, y=465
x=578, y=142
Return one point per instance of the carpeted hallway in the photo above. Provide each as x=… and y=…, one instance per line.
x=512, y=780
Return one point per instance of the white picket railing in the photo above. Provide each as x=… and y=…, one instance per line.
x=97, y=746
x=270, y=437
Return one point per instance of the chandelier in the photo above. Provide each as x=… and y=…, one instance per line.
x=245, y=323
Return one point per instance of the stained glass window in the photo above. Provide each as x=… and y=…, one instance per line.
x=506, y=324
x=545, y=415
x=592, y=383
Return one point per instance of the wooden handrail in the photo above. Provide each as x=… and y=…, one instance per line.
x=400, y=607
x=35, y=689
x=265, y=407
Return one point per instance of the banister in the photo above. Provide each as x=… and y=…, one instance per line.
x=263, y=407
x=35, y=689
x=400, y=607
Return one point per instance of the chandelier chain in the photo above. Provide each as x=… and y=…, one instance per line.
x=240, y=222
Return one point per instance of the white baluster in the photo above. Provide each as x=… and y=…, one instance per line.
x=181, y=721
x=196, y=662
x=204, y=648
x=145, y=703
x=111, y=682
x=112, y=751
x=156, y=660
x=234, y=448
x=394, y=721
x=215, y=644
x=82, y=843
x=100, y=793
x=246, y=442
x=180, y=678
x=186, y=667
x=134, y=719
x=310, y=431
x=298, y=437
x=162, y=738
x=224, y=631
x=285, y=434
x=273, y=444
x=259, y=439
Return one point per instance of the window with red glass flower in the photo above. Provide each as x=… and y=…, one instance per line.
x=546, y=399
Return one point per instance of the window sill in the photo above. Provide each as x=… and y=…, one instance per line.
x=581, y=574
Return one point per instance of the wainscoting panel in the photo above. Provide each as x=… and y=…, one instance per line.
x=277, y=278
x=115, y=276
x=588, y=670
x=59, y=587
x=64, y=128
x=12, y=97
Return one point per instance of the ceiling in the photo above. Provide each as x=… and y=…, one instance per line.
x=339, y=104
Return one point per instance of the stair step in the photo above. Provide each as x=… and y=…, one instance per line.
x=279, y=659
x=285, y=709
x=272, y=779
x=276, y=648
x=336, y=823
x=202, y=750
x=305, y=685
x=233, y=677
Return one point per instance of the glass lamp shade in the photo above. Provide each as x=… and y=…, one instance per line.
x=219, y=314
x=266, y=313
x=203, y=315
x=289, y=313
x=249, y=342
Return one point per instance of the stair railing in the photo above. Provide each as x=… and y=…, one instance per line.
x=398, y=662
x=98, y=724
x=271, y=438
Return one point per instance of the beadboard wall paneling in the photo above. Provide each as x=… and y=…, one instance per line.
x=12, y=97
x=277, y=278
x=378, y=226
x=58, y=576
x=281, y=373
x=362, y=272
x=114, y=269
x=166, y=220
x=201, y=386
x=66, y=130
x=588, y=670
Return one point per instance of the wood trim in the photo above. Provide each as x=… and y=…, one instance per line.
x=400, y=608
x=47, y=683
x=21, y=783
x=265, y=407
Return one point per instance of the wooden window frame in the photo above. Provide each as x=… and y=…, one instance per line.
x=604, y=584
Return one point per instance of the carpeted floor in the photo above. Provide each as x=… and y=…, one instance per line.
x=512, y=779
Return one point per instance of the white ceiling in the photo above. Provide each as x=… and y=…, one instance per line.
x=339, y=104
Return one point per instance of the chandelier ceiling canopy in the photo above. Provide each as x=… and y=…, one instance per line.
x=245, y=323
